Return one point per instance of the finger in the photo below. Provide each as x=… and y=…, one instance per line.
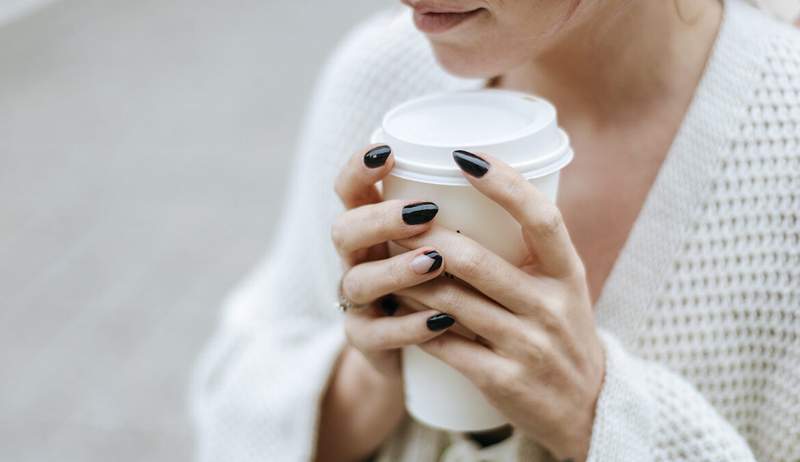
x=411, y=304
x=368, y=225
x=371, y=280
x=542, y=224
x=370, y=330
x=476, y=362
x=474, y=311
x=484, y=270
x=355, y=183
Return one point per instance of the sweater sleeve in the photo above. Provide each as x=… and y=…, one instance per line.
x=647, y=413
x=257, y=386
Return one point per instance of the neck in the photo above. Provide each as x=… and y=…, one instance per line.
x=627, y=58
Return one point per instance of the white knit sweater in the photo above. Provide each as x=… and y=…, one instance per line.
x=700, y=315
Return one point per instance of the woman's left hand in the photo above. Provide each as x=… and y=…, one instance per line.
x=537, y=356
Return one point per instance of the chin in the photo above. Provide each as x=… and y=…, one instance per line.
x=470, y=63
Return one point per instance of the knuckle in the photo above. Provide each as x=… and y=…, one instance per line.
x=338, y=234
x=353, y=288
x=386, y=219
x=351, y=332
x=514, y=189
x=503, y=383
x=519, y=195
x=448, y=296
x=548, y=221
x=579, y=271
x=533, y=350
x=494, y=330
x=397, y=275
x=552, y=320
x=471, y=263
x=550, y=311
x=377, y=217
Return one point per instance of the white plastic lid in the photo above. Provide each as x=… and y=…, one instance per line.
x=518, y=128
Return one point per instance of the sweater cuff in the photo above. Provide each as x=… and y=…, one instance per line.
x=625, y=412
x=258, y=394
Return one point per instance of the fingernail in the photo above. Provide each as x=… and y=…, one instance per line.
x=471, y=163
x=377, y=156
x=389, y=305
x=421, y=212
x=440, y=321
x=428, y=262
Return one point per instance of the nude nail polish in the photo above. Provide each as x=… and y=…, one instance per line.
x=427, y=262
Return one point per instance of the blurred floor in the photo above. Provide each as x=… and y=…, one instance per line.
x=142, y=151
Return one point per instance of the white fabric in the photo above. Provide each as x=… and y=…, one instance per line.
x=787, y=10
x=699, y=316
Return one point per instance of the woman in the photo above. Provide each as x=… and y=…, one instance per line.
x=659, y=318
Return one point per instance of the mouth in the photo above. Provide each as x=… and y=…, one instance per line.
x=434, y=18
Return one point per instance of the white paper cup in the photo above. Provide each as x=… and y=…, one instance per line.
x=517, y=128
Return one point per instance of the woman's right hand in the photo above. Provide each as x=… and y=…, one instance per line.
x=360, y=235
x=364, y=400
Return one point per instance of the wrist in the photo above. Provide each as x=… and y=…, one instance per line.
x=376, y=399
x=574, y=441
x=369, y=383
x=360, y=410
x=574, y=448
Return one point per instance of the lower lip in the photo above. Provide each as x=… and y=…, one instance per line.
x=436, y=23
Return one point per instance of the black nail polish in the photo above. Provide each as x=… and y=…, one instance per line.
x=440, y=321
x=377, y=156
x=389, y=305
x=471, y=163
x=437, y=260
x=421, y=212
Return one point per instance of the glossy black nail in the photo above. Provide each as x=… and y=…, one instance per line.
x=421, y=212
x=440, y=321
x=389, y=305
x=377, y=156
x=471, y=163
x=437, y=260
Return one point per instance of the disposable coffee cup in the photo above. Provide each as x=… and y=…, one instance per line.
x=517, y=128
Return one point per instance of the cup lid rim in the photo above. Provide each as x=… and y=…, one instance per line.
x=527, y=130
x=530, y=169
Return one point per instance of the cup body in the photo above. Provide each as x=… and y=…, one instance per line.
x=435, y=393
x=517, y=128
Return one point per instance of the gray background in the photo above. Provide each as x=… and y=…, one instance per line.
x=142, y=151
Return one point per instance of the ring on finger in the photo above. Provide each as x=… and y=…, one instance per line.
x=344, y=303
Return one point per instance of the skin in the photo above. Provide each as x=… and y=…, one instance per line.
x=538, y=357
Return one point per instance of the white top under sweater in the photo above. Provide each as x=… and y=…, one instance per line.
x=700, y=315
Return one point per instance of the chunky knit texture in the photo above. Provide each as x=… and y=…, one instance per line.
x=700, y=316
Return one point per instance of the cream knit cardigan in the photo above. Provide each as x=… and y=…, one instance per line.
x=700, y=315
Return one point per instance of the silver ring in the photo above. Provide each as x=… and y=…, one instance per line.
x=344, y=303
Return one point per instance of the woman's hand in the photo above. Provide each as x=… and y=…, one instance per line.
x=364, y=401
x=360, y=236
x=537, y=355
